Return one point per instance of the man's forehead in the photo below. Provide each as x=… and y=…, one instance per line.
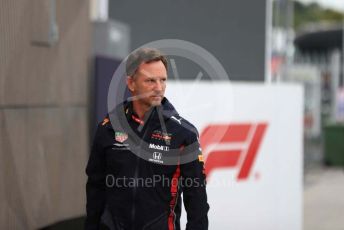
x=152, y=72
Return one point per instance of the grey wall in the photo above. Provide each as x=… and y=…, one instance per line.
x=43, y=112
x=234, y=31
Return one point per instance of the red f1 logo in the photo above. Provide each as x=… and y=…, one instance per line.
x=231, y=145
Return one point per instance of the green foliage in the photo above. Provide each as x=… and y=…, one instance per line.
x=312, y=13
x=305, y=13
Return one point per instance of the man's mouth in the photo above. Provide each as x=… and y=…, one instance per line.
x=156, y=96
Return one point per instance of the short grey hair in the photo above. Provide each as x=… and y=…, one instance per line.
x=143, y=55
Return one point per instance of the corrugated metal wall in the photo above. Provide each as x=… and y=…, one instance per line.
x=43, y=112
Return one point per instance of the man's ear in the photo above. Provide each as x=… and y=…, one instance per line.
x=130, y=83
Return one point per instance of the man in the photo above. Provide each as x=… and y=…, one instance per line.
x=144, y=156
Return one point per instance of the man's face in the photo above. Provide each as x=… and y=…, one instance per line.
x=149, y=83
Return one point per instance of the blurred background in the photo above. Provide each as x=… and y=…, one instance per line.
x=57, y=58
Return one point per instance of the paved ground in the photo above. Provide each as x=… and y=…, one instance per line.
x=323, y=198
x=323, y=191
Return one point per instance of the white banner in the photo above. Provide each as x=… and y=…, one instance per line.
x=251, y=136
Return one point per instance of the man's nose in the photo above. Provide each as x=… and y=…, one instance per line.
x=159, y=86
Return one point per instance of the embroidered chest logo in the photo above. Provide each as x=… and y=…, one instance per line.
x=158, y=135
x=156, y=158
x=121, y=136
x=159, y=147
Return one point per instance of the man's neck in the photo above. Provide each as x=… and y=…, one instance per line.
x=140, y=109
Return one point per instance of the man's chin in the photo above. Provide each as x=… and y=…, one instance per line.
x=156, y=103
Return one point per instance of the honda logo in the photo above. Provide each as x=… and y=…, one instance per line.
x=157, y=156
